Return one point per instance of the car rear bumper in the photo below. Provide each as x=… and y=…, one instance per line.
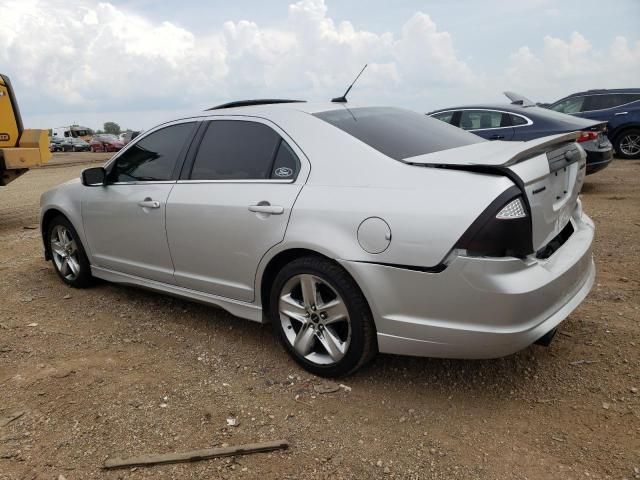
x=598, y=160
x=478, y=307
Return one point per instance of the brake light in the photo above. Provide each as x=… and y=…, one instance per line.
x=502, y=230
x=587, y=136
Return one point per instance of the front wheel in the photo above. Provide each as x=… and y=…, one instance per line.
x=67, y=253
x=627, y=144
x=322, y=318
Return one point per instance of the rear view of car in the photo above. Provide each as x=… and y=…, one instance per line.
x=619, y=107
x=517, y=122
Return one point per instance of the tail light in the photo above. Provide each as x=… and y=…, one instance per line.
x=502, y=230
x=587, y=136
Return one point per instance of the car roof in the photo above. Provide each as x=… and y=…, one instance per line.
x=604, y=90
x=264, y=108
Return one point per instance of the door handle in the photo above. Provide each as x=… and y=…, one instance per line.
x=622, y=113
x=148, y=203
x=496, y=137
x=265, y=207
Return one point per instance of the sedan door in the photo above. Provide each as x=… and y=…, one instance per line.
x=124, y=220
x=233, y=206
x=489, y=124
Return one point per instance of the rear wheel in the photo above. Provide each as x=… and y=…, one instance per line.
x=321, y=317
x=627, y=144
x=67, y=253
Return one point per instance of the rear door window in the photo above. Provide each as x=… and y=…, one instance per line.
x=154, y=157
x=482, y=119
x=397, y=133
x=601, y=102
x=243, y=150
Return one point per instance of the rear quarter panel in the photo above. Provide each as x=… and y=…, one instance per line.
x=427, y=209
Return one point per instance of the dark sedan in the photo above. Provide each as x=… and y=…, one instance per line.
x=521, y=121
x=71, y=144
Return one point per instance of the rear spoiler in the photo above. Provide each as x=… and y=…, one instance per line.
x=492, y=154
x=544, y=146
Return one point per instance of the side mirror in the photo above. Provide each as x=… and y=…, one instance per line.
x=93, y=177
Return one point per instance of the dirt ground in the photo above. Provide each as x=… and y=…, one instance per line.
x=116, y=371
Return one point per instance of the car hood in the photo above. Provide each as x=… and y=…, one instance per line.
x=494, y=154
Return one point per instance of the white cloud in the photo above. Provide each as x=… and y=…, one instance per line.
x=92, y=56
x=565, y=66
x=85, y=56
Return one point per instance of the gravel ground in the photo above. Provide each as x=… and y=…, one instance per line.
x=117, y=371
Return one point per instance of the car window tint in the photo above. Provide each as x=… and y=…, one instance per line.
x=518, y=120
x=479, y=119
x=629, y=97
x=235, y=150
x=601, y=102
x=570, y=105
x=446, y=117
x=286, y=164
x=611, y=100
x=398, y=133
x=154, y=157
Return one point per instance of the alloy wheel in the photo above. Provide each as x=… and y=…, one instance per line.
x=630, y=144
x=65, y=252
x=314, y=319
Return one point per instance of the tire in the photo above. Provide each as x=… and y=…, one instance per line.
x=627, y=144
x=322, y=329
x=68, y=255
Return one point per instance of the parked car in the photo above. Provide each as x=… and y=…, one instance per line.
x=354, y=230
x=54, y=144
x=526, y=121
x=105, y=143
x=619, y=107
x=126, y=137
x=71, y=144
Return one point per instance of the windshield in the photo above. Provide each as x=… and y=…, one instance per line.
x=398, y=133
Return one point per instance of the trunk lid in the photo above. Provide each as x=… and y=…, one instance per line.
x=550, y=171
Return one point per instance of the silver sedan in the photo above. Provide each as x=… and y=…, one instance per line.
x=353, y=230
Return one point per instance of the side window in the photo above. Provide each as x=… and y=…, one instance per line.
x=629, y=97
x=570, y=105
x=480, y=119
x=517, y=120
x=618, y=99
x=154, y=157
x=446, y=117
x=286, y=164
x=601, y=102
x=242, y=150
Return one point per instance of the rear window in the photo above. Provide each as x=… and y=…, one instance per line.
x=398, y=133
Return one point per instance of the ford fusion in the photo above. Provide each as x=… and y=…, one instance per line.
x=352, y=230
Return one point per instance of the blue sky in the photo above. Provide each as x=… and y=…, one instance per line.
x=138, y=62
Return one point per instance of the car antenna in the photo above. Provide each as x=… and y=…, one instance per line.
x=343, y=98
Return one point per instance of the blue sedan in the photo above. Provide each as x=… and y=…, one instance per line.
x=522, y=120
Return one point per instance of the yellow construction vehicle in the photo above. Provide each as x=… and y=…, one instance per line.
x=20, y=149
